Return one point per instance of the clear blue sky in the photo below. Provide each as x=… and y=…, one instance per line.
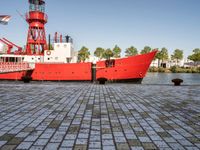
x=93, y=23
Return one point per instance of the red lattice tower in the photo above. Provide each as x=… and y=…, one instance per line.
x=36, y=18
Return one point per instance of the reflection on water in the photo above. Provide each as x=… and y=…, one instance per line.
x=165, y=78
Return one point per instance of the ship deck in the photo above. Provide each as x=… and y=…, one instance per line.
x=57, y=115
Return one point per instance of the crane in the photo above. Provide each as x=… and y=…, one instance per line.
x=19, y=51
x=9, y=46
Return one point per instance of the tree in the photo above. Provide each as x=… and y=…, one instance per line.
x=164, y=54
x=177, y=55
x=196, y=50
x=116, y=51
x=131, y=51
x=99, y=52
x=83, y=54
x=108, y=53
x=146, y=49
x=156, y=57
x=159, y=57
x=195, y=56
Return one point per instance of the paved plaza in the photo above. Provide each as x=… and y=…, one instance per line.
x=59, y=115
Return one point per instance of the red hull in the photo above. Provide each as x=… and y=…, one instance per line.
x=134, y=67
x=54, y=72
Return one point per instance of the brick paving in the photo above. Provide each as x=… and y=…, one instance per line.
x=89, y=116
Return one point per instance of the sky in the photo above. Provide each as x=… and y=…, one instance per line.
x=105, y=23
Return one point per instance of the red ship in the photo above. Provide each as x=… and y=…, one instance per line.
x=39, y=63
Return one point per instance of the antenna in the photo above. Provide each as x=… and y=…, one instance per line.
x=22, y=16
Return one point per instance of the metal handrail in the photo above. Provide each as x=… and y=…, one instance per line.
x=6, y=67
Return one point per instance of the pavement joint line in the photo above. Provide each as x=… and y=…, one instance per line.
x=90, y=116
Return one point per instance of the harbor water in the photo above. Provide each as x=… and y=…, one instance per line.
x=165, y=78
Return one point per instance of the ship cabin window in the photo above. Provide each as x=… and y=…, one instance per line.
x=68, y=60
x=48, y=58
x=110, y=63
x=38, y=58
x=10, y=59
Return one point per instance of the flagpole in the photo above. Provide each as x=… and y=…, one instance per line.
x=4, y=19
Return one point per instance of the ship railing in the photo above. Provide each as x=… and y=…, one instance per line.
x=31, y=65
x=13, y=66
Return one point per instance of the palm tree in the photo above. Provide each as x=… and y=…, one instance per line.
x=146, y=49
x=116, y=51
x=99, y=52
x=131, y=51
x=83, y=54
x=178, y=55
x=108, y=54
x=195, y=56
x=164, y=54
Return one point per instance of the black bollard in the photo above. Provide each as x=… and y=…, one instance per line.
x=102, y=80
x=177, y=81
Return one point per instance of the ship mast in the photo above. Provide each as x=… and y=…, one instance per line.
x=36, y=18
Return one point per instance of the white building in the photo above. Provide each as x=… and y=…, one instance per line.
x=168, y=63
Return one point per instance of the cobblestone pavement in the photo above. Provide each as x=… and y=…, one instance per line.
x=89, y=116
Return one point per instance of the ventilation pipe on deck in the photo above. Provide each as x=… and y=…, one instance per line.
x=56, y=37
x=49, y=41
x=61, y=38
x=67, y=38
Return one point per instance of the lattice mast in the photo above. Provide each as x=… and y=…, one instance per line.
x=36, y=18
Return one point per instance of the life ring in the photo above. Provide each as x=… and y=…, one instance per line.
x=48, y=52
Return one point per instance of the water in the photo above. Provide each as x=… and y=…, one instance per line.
x=151, y=78
x=165, y=78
